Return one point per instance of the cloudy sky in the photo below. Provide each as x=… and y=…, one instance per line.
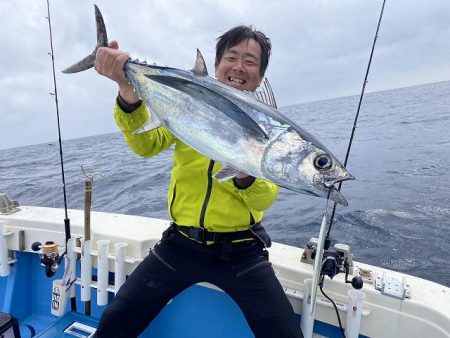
x=320, y=51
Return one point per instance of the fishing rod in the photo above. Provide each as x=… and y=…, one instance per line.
x=73, y=304
x=357, y=111
x=55, y=96
x=320, y=266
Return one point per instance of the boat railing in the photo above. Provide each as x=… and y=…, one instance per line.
x=105, y=260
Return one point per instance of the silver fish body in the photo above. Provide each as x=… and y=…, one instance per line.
x=232, y=127
x=253, y=138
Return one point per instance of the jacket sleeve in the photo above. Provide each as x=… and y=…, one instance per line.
x=146, y=144
x=260, y=195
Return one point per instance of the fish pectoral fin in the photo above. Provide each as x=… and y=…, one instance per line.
x=226, y=173
x=200, y=65
x=152, y=123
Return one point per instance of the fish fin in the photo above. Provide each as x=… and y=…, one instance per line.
x=337, y=196
x=226, y=173
x=215, y=100
x=102, y=41
x=152, y=123
x=264, y=95
x=200, y=65
x=86, y=63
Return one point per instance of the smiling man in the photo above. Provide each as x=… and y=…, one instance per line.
x=216, y=234
x=241, y=64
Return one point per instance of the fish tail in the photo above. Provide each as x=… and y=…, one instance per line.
x=102, y=41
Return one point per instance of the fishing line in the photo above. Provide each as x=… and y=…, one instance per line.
x=357, y=111
x=324, y=240
x=55, y=96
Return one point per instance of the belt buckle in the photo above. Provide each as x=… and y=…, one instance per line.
x=201, y=235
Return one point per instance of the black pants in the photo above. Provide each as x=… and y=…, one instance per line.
x=177, y=262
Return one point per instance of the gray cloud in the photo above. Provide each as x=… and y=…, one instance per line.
x=320, y=50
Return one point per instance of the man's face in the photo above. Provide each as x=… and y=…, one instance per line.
x=240, y=66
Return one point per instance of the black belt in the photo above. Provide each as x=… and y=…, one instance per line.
x=203, y=236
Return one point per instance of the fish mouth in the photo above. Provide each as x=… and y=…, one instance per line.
x=335, y=194
x=330, y=183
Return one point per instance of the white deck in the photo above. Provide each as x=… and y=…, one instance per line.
x=425, y=314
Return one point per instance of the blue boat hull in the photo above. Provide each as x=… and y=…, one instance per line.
x=195, y=313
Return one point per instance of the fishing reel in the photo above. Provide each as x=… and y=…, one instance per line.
x=335, y=260
x=333, y=263
x=49, y=256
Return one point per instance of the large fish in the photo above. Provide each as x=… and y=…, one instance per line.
x=230, y=126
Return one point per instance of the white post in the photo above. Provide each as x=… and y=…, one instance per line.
x=119, y=266
x=86, y=271
x=72, y=255
x=318, y=260
x=354, y=310
x=308, y=310
x=102, y=272
x=4, y=266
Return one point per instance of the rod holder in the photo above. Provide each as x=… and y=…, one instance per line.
x=308, y=310
x=4, y=265
x=86, y=271
x=103, y=272
x=119, y=265
x=354, y=311
x=72, y=255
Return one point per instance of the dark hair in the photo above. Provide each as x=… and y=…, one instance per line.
x=238, y=34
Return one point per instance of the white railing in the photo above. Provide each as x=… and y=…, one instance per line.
x=5, y=261
x=103, y=257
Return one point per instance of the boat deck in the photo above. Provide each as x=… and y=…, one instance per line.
x=26, y=293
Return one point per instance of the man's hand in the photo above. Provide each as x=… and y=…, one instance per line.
x=109, y=62
x=242, y=175
x=243, y=180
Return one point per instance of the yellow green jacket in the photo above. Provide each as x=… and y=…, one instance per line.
x=194, y=197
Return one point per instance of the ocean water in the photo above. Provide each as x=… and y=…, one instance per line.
x=399, y=205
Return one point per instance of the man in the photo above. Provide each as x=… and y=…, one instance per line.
x=216, y=235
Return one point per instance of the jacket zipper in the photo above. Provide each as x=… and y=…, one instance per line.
x=173, y=200
x=208, y=194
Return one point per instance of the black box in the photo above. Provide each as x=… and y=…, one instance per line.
x=9, y=327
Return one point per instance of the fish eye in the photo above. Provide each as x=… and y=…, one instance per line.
x=323, y=162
